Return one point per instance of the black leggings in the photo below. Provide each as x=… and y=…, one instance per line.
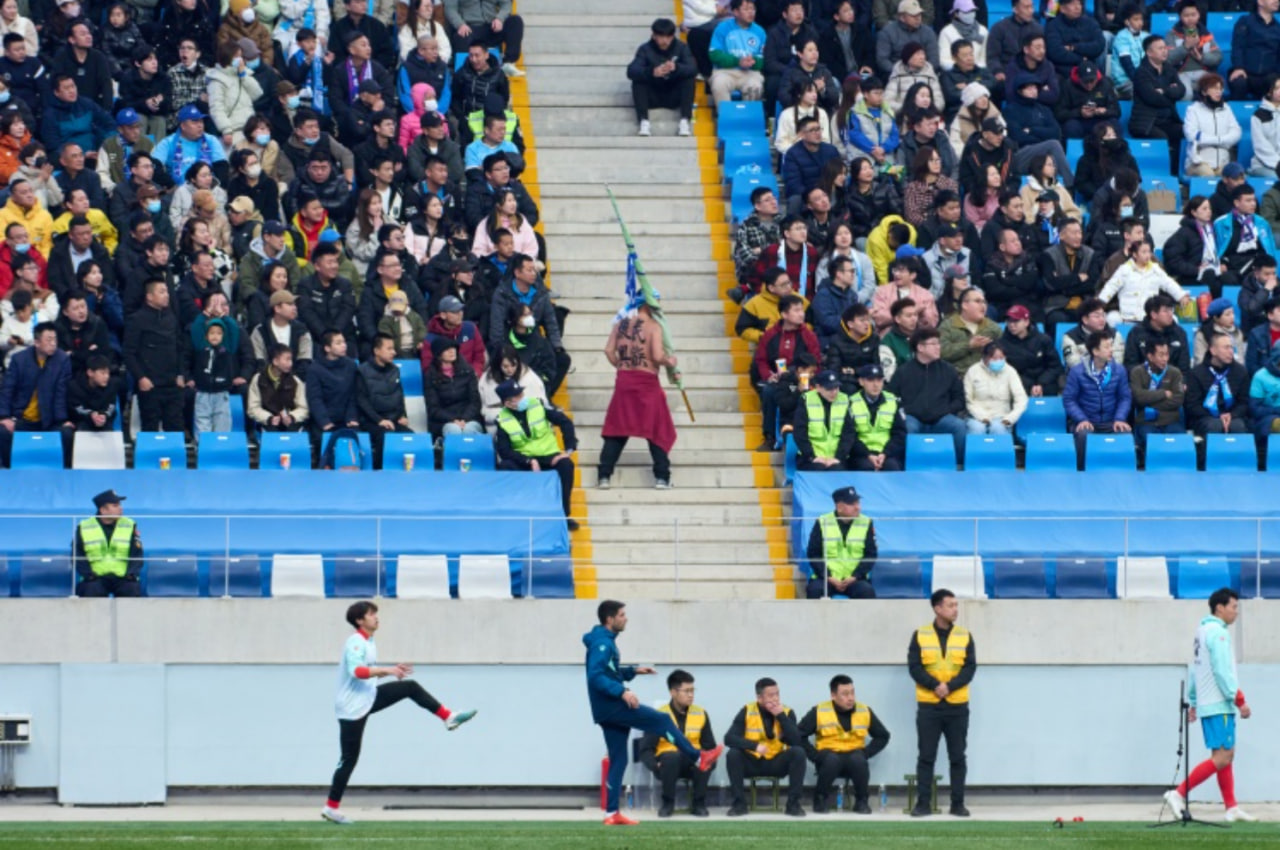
x=351, y=732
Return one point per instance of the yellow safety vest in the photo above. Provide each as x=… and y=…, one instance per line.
x=107, y=558
x=755, y=732
x=476, y=122
x=874, y=434
x=831, y=735
x=824, y=439
x=540, y=441
x=695, y=720
x=843, y=554
x=942, y=666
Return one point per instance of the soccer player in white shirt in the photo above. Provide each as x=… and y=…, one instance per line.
x=358, y=697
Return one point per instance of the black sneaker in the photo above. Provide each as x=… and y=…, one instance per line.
x=700, y=811
x=735, y=295
x=737, y=810
x=958, y=810
x=820, y=806
x=921, y=811
x=861, y=807
x=794, y=809
x=666, y=809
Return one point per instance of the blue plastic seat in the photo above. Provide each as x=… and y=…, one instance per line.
x=172, y=576
x=1051, y=452
x=410, y=376
x=1110, y=451
x=228, y=450
x=1232, y=294
x=1273, y=453
x=1198, y=578
x=276, y=444
x=1260, y=184
x=740, y=118
x=898, y=578
x=1019, y=578
x=745, y=151
x=1204, y=185
x=543, y=578
x=1223, y=25
x=37, y=450
x=989, y=451
x=477, y=448
x=150, y=446
x=1230, y=452
x=1044, y=415
x=791, y=458
x=1082, y=578
x=1152, y=155
x=356, y=577
x=46, y=577
x=1126, y=112
x=6, y=588
x=743, y=186
x=1171, y=453
x=239, y=576
x=931, y=452
x=1270, y=578
x=237, y=414
x=396, y=447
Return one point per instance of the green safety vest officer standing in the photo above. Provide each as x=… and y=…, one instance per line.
x=108, y=551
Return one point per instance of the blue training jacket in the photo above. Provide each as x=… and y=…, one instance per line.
x=605, y=673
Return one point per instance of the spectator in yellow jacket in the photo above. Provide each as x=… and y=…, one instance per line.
x=104, y=231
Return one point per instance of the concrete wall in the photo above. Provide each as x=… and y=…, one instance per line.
x=235, y=693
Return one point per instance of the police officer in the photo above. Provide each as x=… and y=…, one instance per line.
x=667, y=762
x=822, y=438
x=942, y=662
x=842, y=545
x=765, y=741
x=880, y=429
x=108, y=551
x=525, y=441
x=842, y=726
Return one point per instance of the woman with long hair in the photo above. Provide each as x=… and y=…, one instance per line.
x=833, y=180
x=804, y=104
x=927, y=180
x=452, y=391
x=362, y=233
x=975, y=107
x=249, y=180
x=198, y=176
x=981, y=204
x=415, y=19
x=1043, y=177
x=503, y=366
x=841, y=244
x=1105, y=153
x=197, y=236
x=428, y=233
x=870, y=196
x=504, y=215
x=14, y=136
x=1191, y=253
x=918, y=101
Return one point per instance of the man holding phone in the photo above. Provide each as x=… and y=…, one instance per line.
x=663, y=75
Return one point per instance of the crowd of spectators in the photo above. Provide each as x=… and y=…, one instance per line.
x=265, y=204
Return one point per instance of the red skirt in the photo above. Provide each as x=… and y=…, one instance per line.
x=639, y=409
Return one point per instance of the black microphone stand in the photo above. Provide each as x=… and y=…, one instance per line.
x=1184, y=755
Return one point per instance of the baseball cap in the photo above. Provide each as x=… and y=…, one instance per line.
x=1234, y=170
x=248, y=49
x=848, y=495
x=284, y=296
x=107, y=497
x=243, y=204
x=273, y=227
x=1018, y=313
x=954, y=272
x=432, y=119
x=993, y=125
x=870, y=371
x=826, y=379
x=509, y=389
x=949, y=228
x=910, y=7
x=450, y=304
x=127, y=117
x=462, y=264
x=190, y=113
x=370, y=87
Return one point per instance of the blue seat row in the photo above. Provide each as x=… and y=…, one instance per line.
x=1050, y=448
x=293, y=451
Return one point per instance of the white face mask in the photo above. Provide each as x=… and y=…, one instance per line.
x=247, y=16
x=966, y=17
x=71, y=10
x=431, y=105
x=254, y=171
x=528, y=321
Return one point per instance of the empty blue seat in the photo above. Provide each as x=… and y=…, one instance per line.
x=6, y=585
x=739, y=118
x=229, y=450
x=745, y=151
x=1204, y=185
x=1273, y=453
x=543, y=578
x=410, y=376
x=1082, y=578
x=237, y=413
x=931, y=452
x=1261, y=185
x=236, y=576
x=1051, y=453
x=1109, y=451
x=1171, y=453
x=356, y=577
x=1223, y=25
x=1230, y=452
x=477, y=448
x=1019, y=578
x=1044, y=415
x=1126, y=112
x=989, y=451
x=46, y=576
x=396, y=449
x=790, y=458
x=898, y=578
x=150, y=446
x=1152, y=155
x=1264, y=572
x=1232, y=294
x=37, y=450
x=172, y=576
x=1198, y=578
x=274, y=446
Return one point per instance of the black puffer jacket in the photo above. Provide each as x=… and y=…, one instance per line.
x=866, y=210
x=471, y=87
x=1035, y=359
x=451, y=397
x=379, y=394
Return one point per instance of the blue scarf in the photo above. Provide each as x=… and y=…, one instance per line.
x=525, y=298
x=1219, y=395
x=1149, y=414
x=177, y=158
x=1100, y=378
x=800, y=284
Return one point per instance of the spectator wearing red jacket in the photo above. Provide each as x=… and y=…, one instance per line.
x=448, y=322
x=775, y=353
x=16, y=235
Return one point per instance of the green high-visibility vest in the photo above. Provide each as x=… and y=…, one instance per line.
x=540, y=441
x=476, y=121
x=107, y=558
x=843, y=554
x=874, y=433
x=825, y=439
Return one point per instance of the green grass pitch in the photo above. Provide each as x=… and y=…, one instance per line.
x=589, y=836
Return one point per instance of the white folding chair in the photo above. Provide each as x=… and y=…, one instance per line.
x=98, y=450
x=422, y=577
x=484, y=577
x=960, y=574
x=297, y=575
x=1142, y=578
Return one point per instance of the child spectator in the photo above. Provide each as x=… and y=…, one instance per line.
x=403, y=325
x=15, y=332
x=213, y=372
x=92, y=395
x=119, y=39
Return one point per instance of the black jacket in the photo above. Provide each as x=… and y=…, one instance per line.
x=844, y=355
x=93, y=77
x=1074, y=96
x=62, y=275
x=975, y=158
x=81, y=343
x=1183, y=252
x=479, y=202
x=999, y=222
x=865, y=211
x=451, y=397
x=323, y=308
x=1092, y=173
x=1035, y=359
x=1142, y=335
x=815, y=552
x=928, y=392
x=84, y=399
x=502, y=443
x=471, y=88
x=1060, y=277
x=1199, y=380
x=1012, y=283
x=649, y=742
x=353, y=125
x=381, y=40
x=213, y=369
x=504, y=298
x=331, y=392
x=1155, y=97
x=155, y=346
x=379, y=394
x=537, y=354
x=832, y=54
x=736, y=737
x=373, y=306
x=649, y=56
x=779, y=43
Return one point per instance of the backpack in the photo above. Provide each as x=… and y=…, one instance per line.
x=343, y=451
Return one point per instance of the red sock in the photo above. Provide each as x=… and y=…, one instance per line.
x=333, y=804
x=443, y=713
x=1227, y=782
x=1199, y=774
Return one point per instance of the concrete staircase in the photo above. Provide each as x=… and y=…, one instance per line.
x=713, y=522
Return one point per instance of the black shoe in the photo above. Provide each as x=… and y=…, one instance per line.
x=737, y=810
x=794, y=809
x=700, y=811
x=921, y=811
x=666, y=809
x=767, y=446
x=958, y=810
x=572, y=523
x=861, y=807
x=820, y=806
x=736, y=295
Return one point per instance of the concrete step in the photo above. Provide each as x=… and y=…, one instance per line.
x=624, y=188
x=618, y=17
x=623, y=495
x=689, y=364
x=707, y=421
x=638, y=213
x=603, y=120
x=682, y=325
x=607, y=82
x=710, y=401
x=744, y=559
x=566, y=35
x=752, y=533
x=670, y=589
x=635, y=144
x=583, y=338
x=601, y=287
x=689, y=572
x=646, y=514
x=595, y=12
x=640, y=232
x=569, y=172
x=691, y=442
x=696, y=476
x=722, y=457
x=674, y=305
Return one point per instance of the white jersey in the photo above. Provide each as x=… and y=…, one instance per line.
x=355, y=696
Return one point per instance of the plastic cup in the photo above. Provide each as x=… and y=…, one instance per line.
x=780, y=364
x=165, y=463
x=804, y=383
x=286, y=460
x=464, y=464
x=408, y=462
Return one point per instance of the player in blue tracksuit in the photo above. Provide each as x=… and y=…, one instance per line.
x=617, y=710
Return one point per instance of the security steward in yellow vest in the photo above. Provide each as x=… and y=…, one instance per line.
x=842, y=548
x=847, y=734
x=526, y=442
x=765, y=741
x=880, y=427
x=942, y=661
x=108, y=551
x=822, y=430
x=667, y=762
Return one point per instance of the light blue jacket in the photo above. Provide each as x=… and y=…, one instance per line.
x=1222, y=229
x=1126, y=44
x=1221, y=661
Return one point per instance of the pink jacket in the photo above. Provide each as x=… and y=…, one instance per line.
x=411, y=124
x=526, y=242
x=887, y=293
